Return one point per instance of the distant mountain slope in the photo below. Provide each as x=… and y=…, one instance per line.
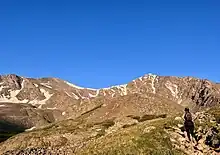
x=39, y=92
x=70, y=101
x=28, y=103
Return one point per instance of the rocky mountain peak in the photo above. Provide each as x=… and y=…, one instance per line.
x=11, y=80
x=46, y=90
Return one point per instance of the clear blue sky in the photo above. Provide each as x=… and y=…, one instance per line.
x=100, y=43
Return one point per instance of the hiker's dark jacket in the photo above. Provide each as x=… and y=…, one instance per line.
x=188, y=123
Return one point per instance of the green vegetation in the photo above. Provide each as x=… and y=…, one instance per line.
x=157, y=141
x=215, y=111
x=148, y=138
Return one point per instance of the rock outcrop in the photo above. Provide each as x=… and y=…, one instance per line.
x=206, y=140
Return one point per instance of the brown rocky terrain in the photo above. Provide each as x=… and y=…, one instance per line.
x=52, y=93
x=152, y=135
x=72, y=111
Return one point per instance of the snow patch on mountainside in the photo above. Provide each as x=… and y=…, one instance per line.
x=1, y=87
x=46, y=85
x=30, y=129
x=75, y=96
x=52, y=108
x=12, y=97
x=123, y=89
x=36, y=85
x=97, y=92
x=47, y=96
x=77, y=87
x=152, y=77
x=172, y=88
x=41, y=102
x=82, y=97
x=14, y=93
x=72, y=85
x=179, y=101
x=91, y=95
x=68, y=94
x=140, y=78
x=135, y=84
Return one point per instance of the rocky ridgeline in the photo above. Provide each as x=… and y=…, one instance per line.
x=43, y=101
x=12, y=80
x=28, y=90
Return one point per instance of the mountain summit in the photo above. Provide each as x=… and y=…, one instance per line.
x=28, y=103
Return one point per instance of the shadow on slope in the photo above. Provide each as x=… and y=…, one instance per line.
x=8, y=129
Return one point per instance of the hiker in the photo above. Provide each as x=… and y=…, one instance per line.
x=188, y=124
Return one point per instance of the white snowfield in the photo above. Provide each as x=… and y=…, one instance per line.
x=46, y=85
x=12, y=97
x=172, y=88
x=68, y=94
x=122, y=89
x=77, y=87
x=1, y=87
x=41, y=102
x=75, y=96
x=31, y=129
x=36, y=85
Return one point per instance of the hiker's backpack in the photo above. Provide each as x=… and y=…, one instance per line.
x=188, y=116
